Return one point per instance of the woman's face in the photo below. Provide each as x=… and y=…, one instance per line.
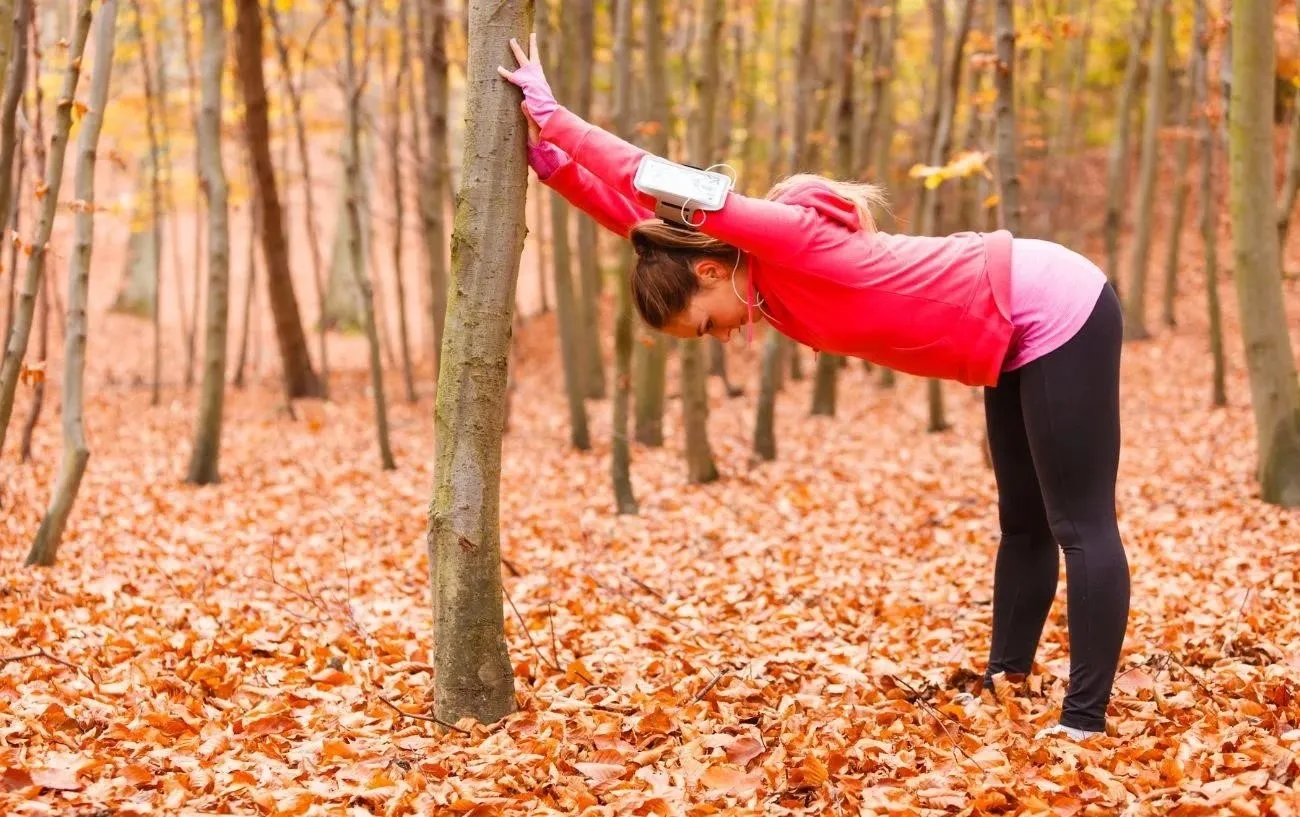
x=714, y=309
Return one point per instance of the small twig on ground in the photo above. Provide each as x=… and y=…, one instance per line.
x=1236, y=623
x=514, y=571
x=43, y=654
x=428, y=718
x=935, y=713
x=550, y=619
x=711, y=684
x=1193, y=675
x=523, y=626
x=645, y=587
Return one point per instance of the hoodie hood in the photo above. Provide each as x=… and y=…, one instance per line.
x=819, y=196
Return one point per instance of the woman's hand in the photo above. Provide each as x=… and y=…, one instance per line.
x=539, y=102
x=534, y=130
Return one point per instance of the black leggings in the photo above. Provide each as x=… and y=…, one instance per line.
x=1054, y=433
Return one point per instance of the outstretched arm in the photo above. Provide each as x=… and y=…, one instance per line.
x=582, y=189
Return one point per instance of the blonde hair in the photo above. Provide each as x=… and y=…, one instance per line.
x=663, y=280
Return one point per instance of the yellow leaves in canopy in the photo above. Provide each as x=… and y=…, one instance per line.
x=963, y=166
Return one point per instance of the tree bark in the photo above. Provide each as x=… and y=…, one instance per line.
x=293, y=91
x=16, y=347
x=580, y=48
x=1275, y=394
x=765, y=417
x=300, y=378
x=1183, y=184
x=354, y=86
x=1117, y=158
x=19, y=14
x=433, y=195
x=14, y=226
x=76, y=453
x=567, y=314
x=651, y=358
x=191, y=100
x=621, y=460
x=155, y=198
x=249, y=293
x=395, y=164
x=1291, y=176
x=1209, y=205
x=204, y=466
x=1005, y=83
x=695, y=397
x=1135, y=304
x=38, y=390
x=473, y=674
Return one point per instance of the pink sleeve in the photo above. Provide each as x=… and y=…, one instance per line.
x=774, y=231
x=582, y=189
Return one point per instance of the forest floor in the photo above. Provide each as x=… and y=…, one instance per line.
x=791, y=639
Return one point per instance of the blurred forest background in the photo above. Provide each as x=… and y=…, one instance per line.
x=229, y=241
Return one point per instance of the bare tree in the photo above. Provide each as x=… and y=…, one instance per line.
x=19, y=13
x=580, y=43
x=395, y=165
x=621, y=461
x=1182, y=187
x=293, y=90
x=250, y=294
x=1209, y=206
x=205, y=460
x=437, y=175
x=1275, y=394
x=1290, y=176
x=1117, y=158
x=155, y=195
x=16, y=348
x=300, y=378
x=1135, y=304
x=473, y=674
x=76, y=453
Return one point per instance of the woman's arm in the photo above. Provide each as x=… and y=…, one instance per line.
x=584, y=190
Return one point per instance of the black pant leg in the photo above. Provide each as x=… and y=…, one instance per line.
x=1070, y=400
x=1024, y=577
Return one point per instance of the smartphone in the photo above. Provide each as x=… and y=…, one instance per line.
x=680, y=185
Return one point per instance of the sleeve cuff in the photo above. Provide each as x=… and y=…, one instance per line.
x=546, y=158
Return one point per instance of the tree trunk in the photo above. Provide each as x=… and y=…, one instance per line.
x=580, y=47
x=1275, y=394
x=1005, y=82
x=806, y=88
x=621, y=460
x=18, y=14
x=204, y=462
x=191, y=100
x=14, y=225
x=1117, y=158
x=76, y=453
x=42, y=357
x=1209, y=204
x=395, y=163
x=155, y=199
x=300, y=378
x=651, y=358
x=354, y=86
x=433, y=195
x=249, y=292
x=567, y=314
x=293, y=91
x=16, y=347
x=1291, y=176
x=7, y=45
x=695, y=395
x=1135, y=304
x=1182, y=187
x=473, y=674
x=765, y=418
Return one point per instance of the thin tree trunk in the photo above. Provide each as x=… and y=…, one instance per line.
x=579, y=47
x=621, y=460
x=651, y=359
x=1117, y=159
x=155, y=198
x=1275, y=394
x=19, y=14
x=300, y=378
x=7, y=45
x=695, y=396
x=294, y=92
x=1209, y=204
x=38, y=390
x=399, y=205
x=355, y=86
x=1183, y=186
x=1135, y=304
x=566, y=299
x=249, y=292
x=1291, y=176
x=765, y=418
x=76, y=453
x=169, y=172
x=1005, y=82
x=205, y=460
x=433, y=198
x=807, y=86
x=14, y=225
x=540, y=216
x=16, y=347
x=473, y=675
x=191, y=98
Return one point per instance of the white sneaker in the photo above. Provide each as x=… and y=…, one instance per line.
x=1067, y=731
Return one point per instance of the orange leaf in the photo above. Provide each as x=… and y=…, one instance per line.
x=600, y=772
x=656, y=723
x=577, y=671
x=270, y=725
x=337, y=749
x=137, y=775
x=61, y=779
x=810, y=774
x=743, y=750
x=728, y=779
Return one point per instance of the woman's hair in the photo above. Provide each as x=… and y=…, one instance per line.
x=663, y=280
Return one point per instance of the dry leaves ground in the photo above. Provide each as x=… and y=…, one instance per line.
x=794, y=639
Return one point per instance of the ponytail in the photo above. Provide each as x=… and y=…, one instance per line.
x=863, y=195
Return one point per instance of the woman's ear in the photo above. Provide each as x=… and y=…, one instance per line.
x=710, y=269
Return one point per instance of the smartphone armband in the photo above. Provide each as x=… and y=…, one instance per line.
x=680, y=190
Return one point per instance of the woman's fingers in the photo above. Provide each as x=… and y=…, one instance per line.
x=519, y=52
x=507, y=74
x=532, y=46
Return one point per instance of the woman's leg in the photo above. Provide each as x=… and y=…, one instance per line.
x=1024, y=578
x=1070, y=400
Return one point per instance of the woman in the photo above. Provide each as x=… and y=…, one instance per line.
x=1032, y=322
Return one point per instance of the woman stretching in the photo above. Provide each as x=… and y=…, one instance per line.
x=1032, y=322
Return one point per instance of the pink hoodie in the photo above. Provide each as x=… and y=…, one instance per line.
x=927, y=306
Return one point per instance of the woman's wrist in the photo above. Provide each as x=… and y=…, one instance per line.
x=545, y=158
